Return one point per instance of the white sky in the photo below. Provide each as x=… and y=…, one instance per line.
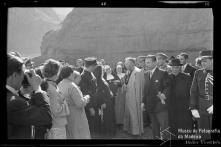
x=62, y=11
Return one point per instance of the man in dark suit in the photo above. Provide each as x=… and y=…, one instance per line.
x=179, y=113
x=201, y=94
x=156, y=94
x=22, y=114
x=186, y=68
x=88, y=86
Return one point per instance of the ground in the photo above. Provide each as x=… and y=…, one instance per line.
x=121, y=134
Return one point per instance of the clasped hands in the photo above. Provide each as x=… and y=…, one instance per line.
x=92, y=111
x=162, y=97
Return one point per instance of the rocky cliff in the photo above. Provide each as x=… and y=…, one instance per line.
x=114, y=33
x=27, y=26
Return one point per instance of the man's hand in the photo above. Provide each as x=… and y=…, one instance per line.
x=103, y=106
x=87, y=98
x=124, y=87
x=195, y=113
x=92, y=111
x=210, y=110
x=34, y=81
x=162, y=97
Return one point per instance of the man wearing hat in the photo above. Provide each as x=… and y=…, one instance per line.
x=201, y=93
x=179, y=113
x=186, y=68
x=88, y=87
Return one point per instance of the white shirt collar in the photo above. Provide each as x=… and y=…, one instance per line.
x=12, y=90
x=184, y=66
x=110, y=77
x=120, y=75
x=152, y=71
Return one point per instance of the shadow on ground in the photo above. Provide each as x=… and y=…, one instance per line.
x=121, y=134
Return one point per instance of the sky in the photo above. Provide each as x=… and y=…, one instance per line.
x=62, y=11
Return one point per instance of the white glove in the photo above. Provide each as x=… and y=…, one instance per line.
x=195, y=113
x=210, y=110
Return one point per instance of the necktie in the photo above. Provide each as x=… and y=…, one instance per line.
x=128, y=77
x=151, y=74
x=182, y=68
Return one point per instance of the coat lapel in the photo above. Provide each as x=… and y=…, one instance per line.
x=186, y=70
x=155, y=73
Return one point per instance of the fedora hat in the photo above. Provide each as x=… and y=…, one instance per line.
x=206, y=54
x=175, y=62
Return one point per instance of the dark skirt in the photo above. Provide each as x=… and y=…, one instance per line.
x=108, y=125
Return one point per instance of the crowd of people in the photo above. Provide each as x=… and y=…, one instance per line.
x=57, y=100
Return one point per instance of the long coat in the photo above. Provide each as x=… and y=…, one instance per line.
x=119, y=104
x=77, y=127
x=88, y=86
x=133, y=119
x=179, y=113
x=105, y=96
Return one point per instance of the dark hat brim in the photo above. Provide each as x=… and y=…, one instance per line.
x=175, y=64
x=203, y=57
x=92, y=64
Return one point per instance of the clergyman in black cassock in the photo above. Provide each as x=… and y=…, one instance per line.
x=179, y=113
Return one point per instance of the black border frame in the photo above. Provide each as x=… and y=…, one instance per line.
x=102, y=4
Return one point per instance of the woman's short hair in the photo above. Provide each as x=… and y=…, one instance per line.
x=51, y=68
x=66, y=71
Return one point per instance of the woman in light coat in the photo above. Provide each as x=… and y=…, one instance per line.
x=77, y=127
x=58, y=104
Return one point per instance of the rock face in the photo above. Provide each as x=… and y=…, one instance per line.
x=114, y=33
x=27, y=26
